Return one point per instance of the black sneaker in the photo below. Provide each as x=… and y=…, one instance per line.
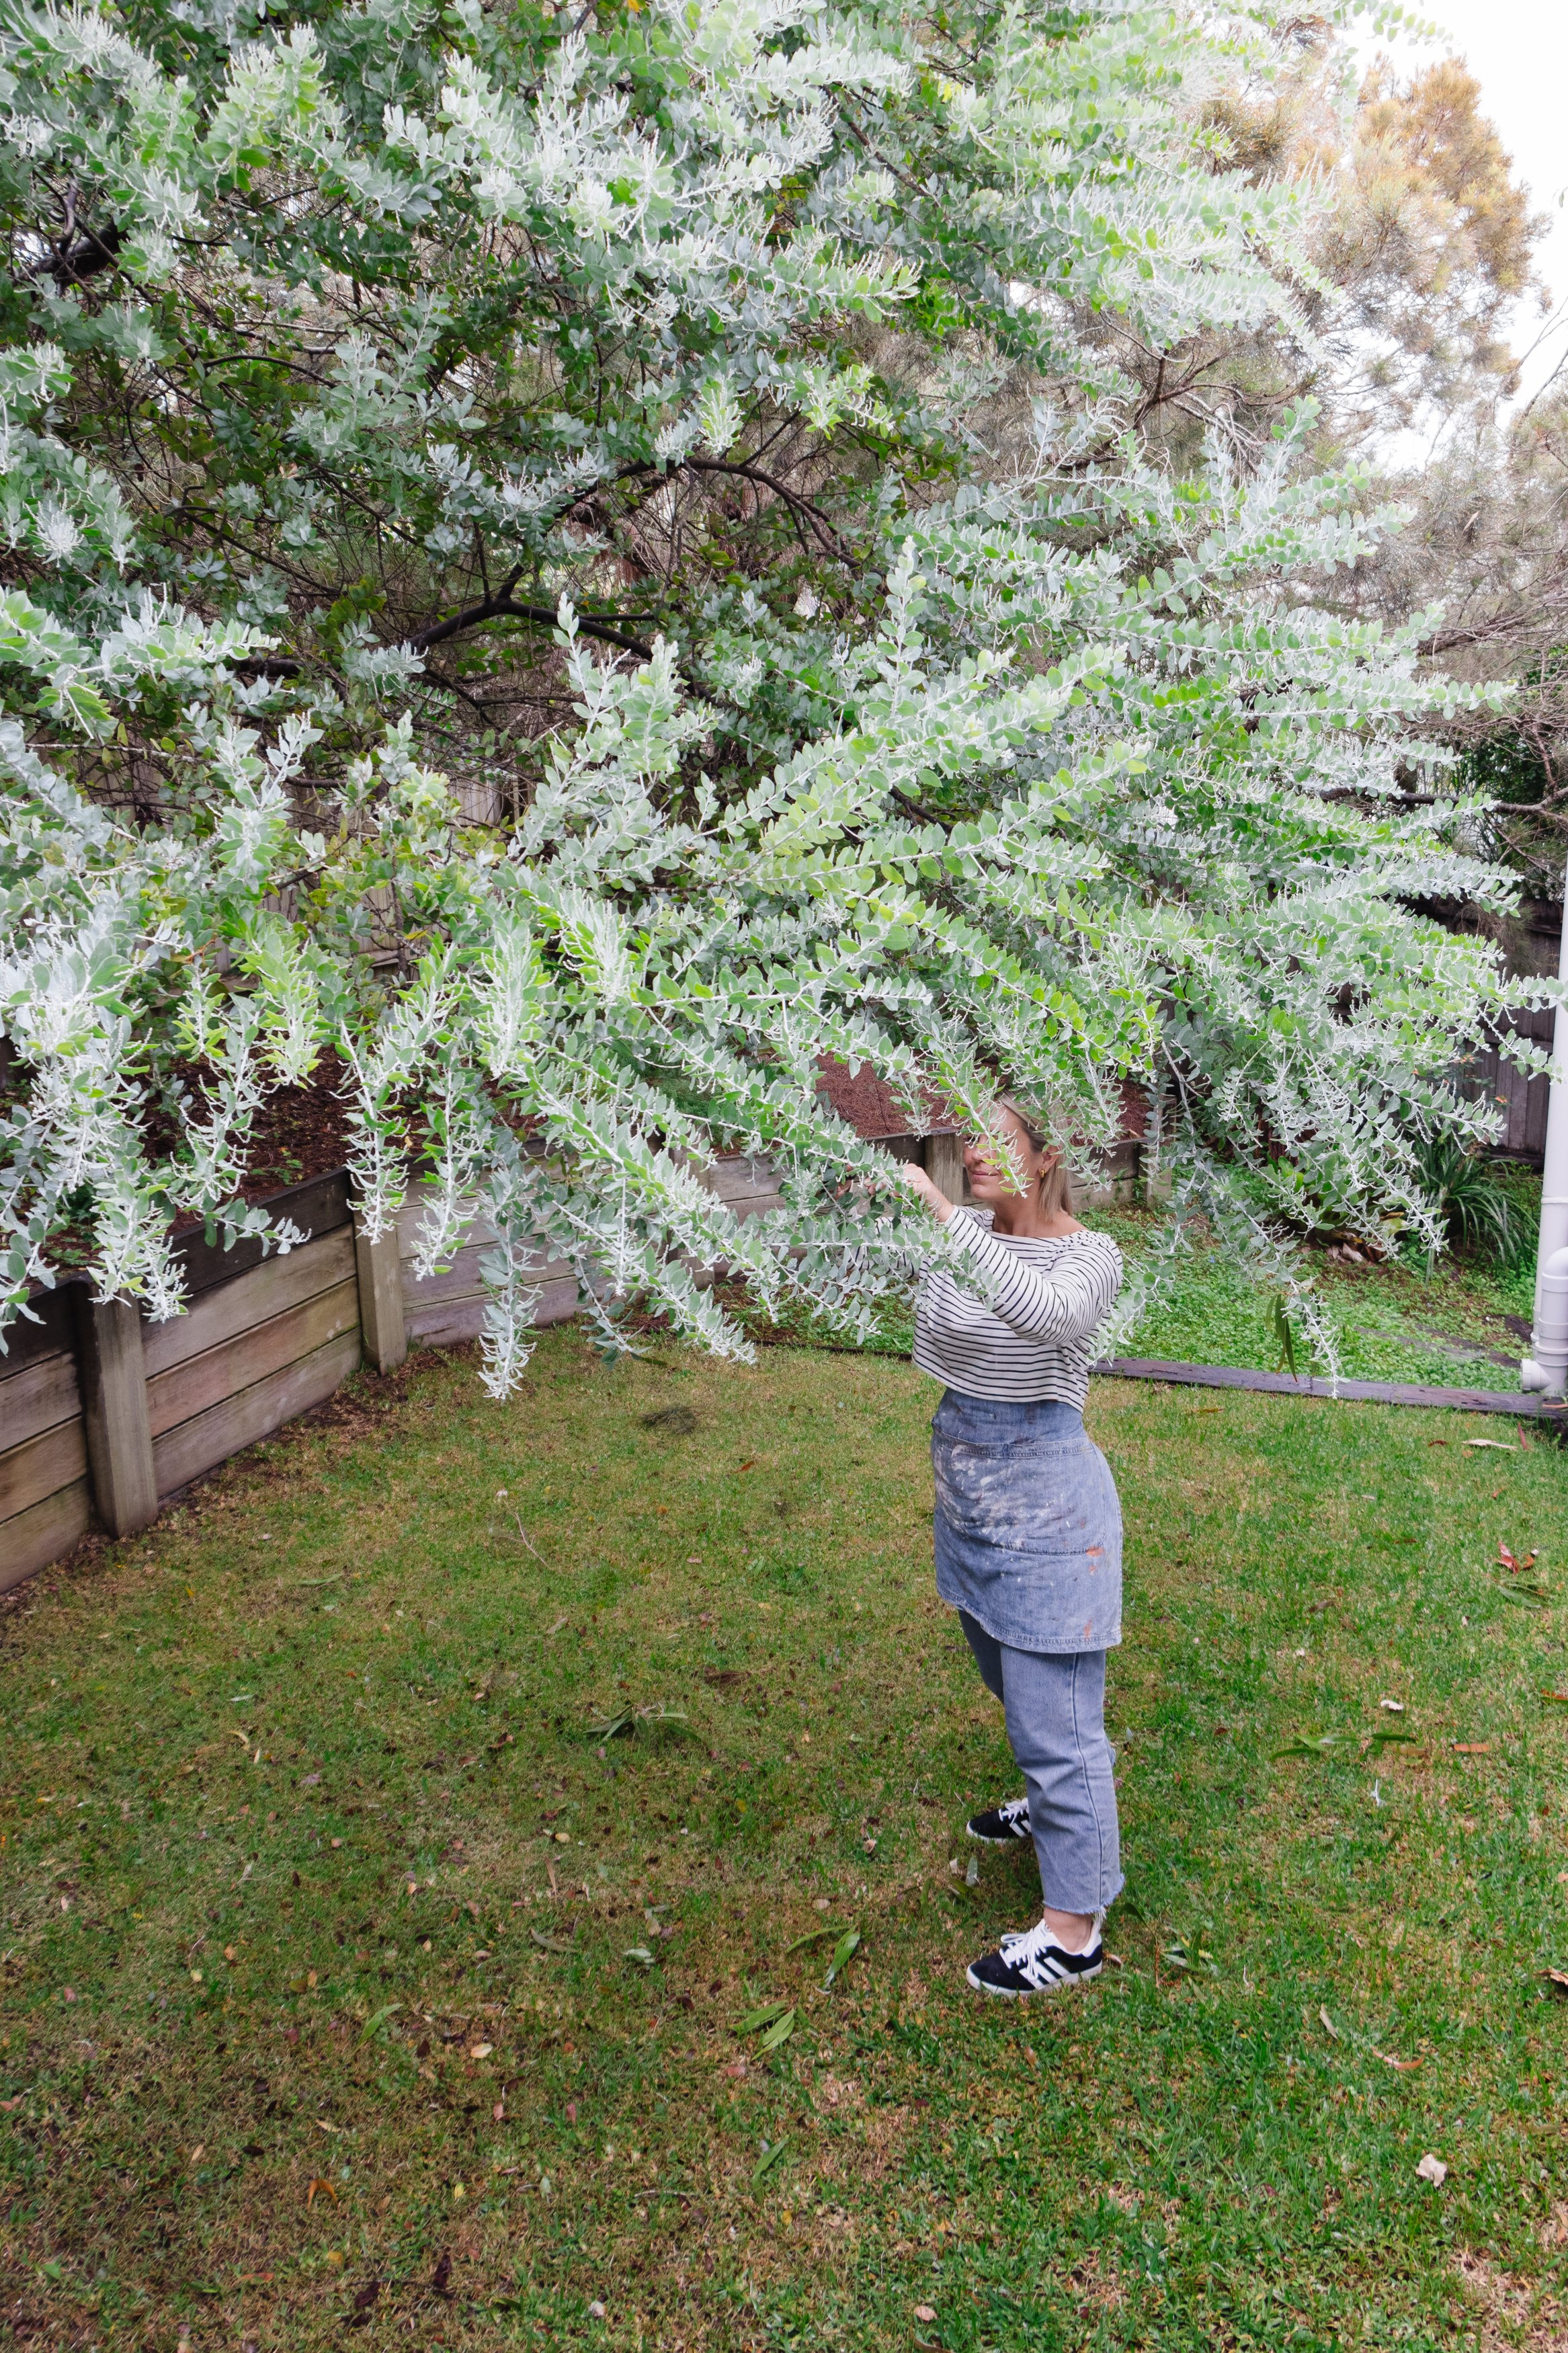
x=1000, y=1825
x=1033, y=1962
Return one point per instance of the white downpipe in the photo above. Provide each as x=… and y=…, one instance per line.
x=1546, y=1368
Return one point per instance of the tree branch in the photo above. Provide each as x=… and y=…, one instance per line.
x=792, y=498
x=501, y=607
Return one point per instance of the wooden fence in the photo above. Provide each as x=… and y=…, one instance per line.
x=1523, y=1099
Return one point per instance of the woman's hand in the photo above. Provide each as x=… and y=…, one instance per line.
x=933, y=1196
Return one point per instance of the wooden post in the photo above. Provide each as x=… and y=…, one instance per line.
x=944, y=1164
x=380, y=1267
x=114, y=1409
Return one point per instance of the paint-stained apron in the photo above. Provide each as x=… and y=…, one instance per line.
x=1028, y=1527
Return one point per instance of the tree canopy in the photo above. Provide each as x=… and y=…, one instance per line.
x=587, y=561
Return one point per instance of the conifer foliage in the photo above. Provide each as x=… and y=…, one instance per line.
x=584, y=561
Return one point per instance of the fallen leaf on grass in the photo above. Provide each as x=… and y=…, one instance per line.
x=379, y=2018
x=971, y=1876
x=844, y=1952
x=1432, y=2169
x=1507, y=1560
x=1393, y=1706
x=812, y=1937
x=550, y=1944
x=1389, y=2061
x=755, y=2018
x=780, y=2031
x=318, y=2183
x=1493, y=1445
x=924, y=2311
x=1327, y=2023
x=1559, y=1699
x=1381, y=1739
x=1472, y=1747
x=480, y=2050
x=1300, y=1746
x=640, y=1954
x=767, y=2161
x=364, y=2303
x=1556, y=1983
x=608, y=1727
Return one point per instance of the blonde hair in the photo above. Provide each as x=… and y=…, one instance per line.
x=1056, y=1184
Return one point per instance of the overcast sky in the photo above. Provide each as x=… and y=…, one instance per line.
x=1517, y=51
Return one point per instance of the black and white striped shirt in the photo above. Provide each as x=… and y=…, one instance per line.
x=1048, y=1298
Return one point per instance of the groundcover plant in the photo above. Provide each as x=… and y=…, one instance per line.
x=584, y=560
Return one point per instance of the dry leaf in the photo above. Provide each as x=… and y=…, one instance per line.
x=480, y=2050
x=1556, y=1982
x=1432, y=2169
x=1388, y=2060
x=318, y=2184
x=924, y=2312
x=1328, y=2025
x=1472, y=1747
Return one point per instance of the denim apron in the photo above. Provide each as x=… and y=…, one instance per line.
x=1028, y=1527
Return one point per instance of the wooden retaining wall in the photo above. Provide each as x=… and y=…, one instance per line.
x=45, y=1501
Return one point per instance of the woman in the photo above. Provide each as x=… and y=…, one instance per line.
x=1028, y=1528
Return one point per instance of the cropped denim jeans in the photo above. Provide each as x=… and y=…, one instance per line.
x=1055, y=1706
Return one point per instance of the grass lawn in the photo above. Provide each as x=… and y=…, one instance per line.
x=1464, y=1325
x=362, y=1986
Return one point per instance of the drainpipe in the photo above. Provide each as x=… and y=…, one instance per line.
x=1546, y=1366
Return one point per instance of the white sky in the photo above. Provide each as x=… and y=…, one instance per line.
x=1517, y=51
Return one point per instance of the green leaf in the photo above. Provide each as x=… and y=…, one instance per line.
x=780, y=2031
x=844, y=1952
x=812, y=1937
x=767, y=2161
x=763, y=2017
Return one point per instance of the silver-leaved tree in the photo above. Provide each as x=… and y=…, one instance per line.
x=584, y=562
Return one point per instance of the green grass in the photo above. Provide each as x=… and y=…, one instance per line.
x=416, y=2013
x=1392, y=1321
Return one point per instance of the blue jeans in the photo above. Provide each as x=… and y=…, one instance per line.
x=1055, y=1704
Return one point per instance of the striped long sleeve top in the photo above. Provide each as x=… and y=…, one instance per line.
x=1035, y=1340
